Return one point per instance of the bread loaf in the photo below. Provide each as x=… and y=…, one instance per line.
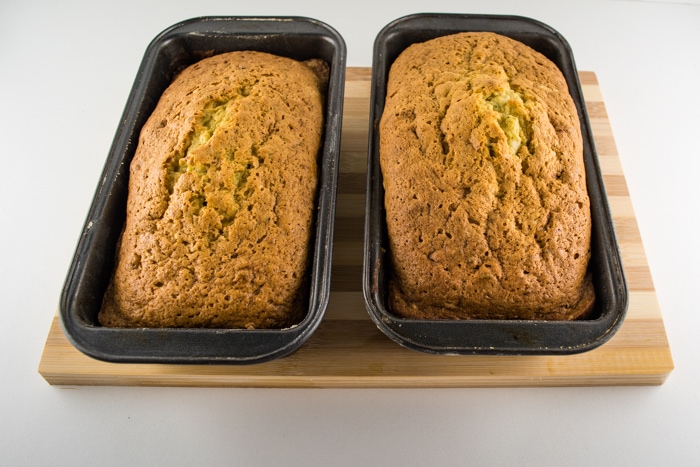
x=486, y=203
x=221, y=198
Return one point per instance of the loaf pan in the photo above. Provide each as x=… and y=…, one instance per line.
x=90, y=270
x=496, y=337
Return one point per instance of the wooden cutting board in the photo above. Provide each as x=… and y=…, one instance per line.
x=347, y=350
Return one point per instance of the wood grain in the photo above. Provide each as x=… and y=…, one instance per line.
x=347, y=350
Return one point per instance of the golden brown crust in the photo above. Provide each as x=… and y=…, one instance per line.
x=221, y=197
x=486, y=202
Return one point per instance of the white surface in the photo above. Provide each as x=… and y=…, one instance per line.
x=66, y=71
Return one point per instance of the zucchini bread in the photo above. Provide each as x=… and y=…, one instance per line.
x=221, y=198
x=487, y=210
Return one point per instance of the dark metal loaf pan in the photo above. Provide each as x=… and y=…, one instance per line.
x=498, y=337
x=87, y=278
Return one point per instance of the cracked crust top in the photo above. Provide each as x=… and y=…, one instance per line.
x=221, y=198
x=486, y=202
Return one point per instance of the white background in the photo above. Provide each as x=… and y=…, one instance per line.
x=66, y=68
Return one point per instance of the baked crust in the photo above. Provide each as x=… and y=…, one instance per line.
x=486, y=203
x=221, y=198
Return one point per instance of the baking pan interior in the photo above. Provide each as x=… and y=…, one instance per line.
x=174, y=49
x=489, y=336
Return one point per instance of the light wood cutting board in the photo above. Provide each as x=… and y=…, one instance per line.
x=347, y=350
